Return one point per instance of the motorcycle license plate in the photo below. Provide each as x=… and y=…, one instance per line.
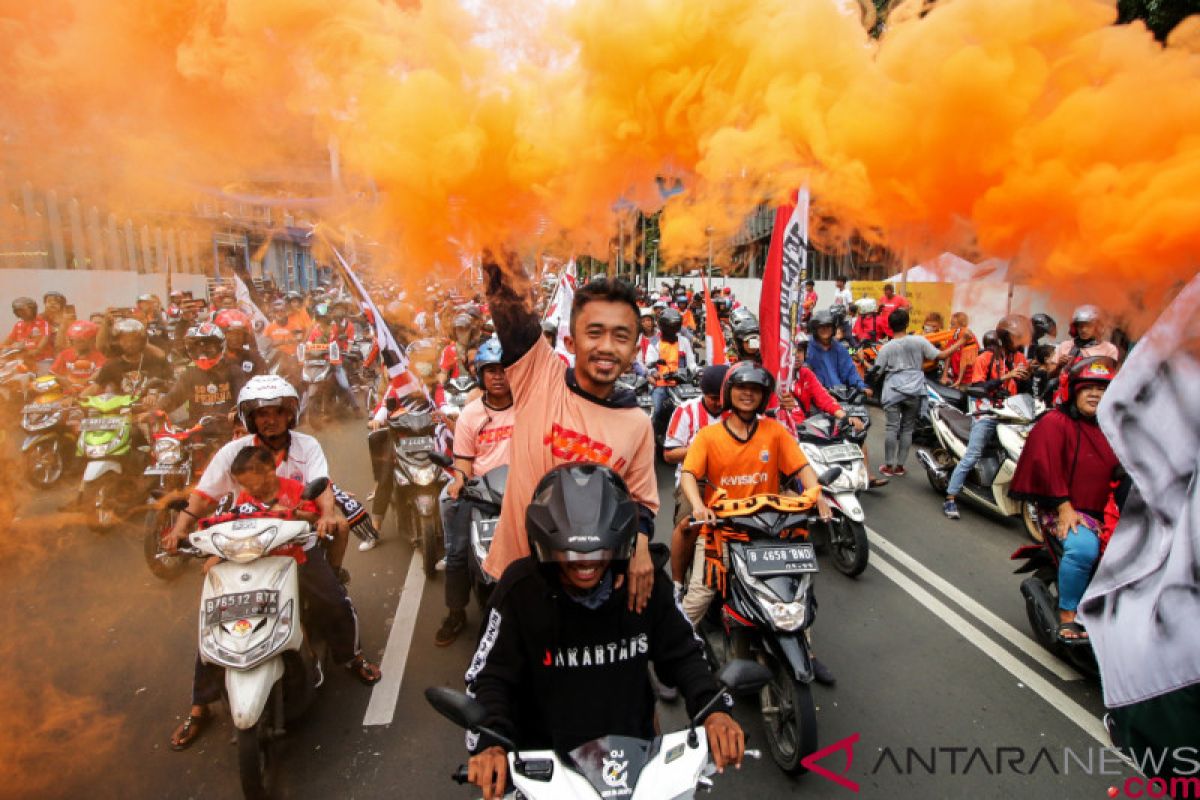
x=232, y=607
x=485, y=530
x=165, y=470
x=791, y=559
x=102, y=424
x=39, y=408
x=847, y=451
x=645, y=401
x=687, y=392
x=417, y=443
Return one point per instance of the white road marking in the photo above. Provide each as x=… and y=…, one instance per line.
x=382, y=707
x=1014, y=637
x=1022, y=672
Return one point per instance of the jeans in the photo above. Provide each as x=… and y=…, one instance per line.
x=901, y=420
x=456, y=530
x=659, y=396
x=330, y=613
x=1081, y=551
x=343, y=383
x=982, y=432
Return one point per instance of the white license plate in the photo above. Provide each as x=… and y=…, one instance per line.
x=232, y=607
x=847, y=451
x=791, y=559
x=165, y=470
x=485, y=531
x=688, y=392
x=417, y=443
x=103, y=424
x=38, y=408
x=645, y=401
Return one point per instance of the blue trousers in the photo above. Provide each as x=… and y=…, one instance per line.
x=1081, y=551
x=456, y=531
x=982, y=432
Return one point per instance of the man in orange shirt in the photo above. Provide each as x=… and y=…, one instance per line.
x=745, y=454
x=564, y=414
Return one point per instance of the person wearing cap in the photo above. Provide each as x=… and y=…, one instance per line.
x=1069, y=469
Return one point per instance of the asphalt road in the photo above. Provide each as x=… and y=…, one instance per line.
x=930, y=645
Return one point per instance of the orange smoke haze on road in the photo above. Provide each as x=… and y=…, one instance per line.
x=1026, y=129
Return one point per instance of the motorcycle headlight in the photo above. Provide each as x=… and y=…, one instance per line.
x=168, y=452
x=425, y=475
x=786, y=616
x=244, y=549
x=41, y=421
x=99, y=450
x=210, y=645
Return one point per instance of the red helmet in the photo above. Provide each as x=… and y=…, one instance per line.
x=232, y=319
x=1097, y=369
x=82, y=329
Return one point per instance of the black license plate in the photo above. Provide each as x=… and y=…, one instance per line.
x=791, y=559
x=232, y=607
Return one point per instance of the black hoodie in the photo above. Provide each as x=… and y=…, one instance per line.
x=555, y=674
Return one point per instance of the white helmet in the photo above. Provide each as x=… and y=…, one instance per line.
x=867, y=305
x=266, y=390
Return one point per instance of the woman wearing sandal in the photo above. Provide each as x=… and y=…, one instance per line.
x=1069, y=470
x=330, y=610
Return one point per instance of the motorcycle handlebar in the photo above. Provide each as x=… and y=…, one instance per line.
x=460, y=775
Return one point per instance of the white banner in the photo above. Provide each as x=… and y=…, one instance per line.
x=559, y=309
x=247, y=305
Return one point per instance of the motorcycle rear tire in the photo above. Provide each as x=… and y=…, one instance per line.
x=44, y=463
x=158, y=520
x=849, y=547
x=431, y=539
x=256, y=756
x=794, y=737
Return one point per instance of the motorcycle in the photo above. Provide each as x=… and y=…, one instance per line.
x=318, y=394
x=673, y=765
x=177, y=455
x=640, y=386
x=252, y=625
x=936, y=394
x=763, y=565
x=988, y=483
x=49, y=438
x=1040, y=591
x=458, y=394
x=418, y=480
x=681, y=387
x=829, y=442
x=483, y=495
x=15, y=375
x=106, y=442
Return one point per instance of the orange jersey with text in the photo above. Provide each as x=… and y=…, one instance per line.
x=743, y=469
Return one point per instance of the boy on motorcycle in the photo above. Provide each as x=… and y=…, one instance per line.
x=1069, y=469
x=329, y=608
x=563, y=659
x=481, y=443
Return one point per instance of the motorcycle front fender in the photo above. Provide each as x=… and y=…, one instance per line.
x=248, y=690
x=95, y=469
x=848, y=503
x=33, y=439
x=792, y=649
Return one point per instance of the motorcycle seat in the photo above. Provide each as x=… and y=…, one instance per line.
x=958, y=422
x=950, y=394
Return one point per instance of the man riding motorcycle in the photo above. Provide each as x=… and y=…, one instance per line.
x=241, y=351
x=569, y=597
x=670, y=355
x=328, y=330
x=481, y=443
x=31, y=331
x=210, y=386
x=134, y=362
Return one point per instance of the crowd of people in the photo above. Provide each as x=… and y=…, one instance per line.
x=572, y=554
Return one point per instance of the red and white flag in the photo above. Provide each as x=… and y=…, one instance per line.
x=779, y=309
x=714, y=337
x=559, y=310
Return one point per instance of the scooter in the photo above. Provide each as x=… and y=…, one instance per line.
x=1040, y=591
x=15, y=375
x=988, y=483
x=106, y=442
x=681, y=387
x=762, y=564
x=458, y=394
x=49, y=438
x=176, y=456
x=318, y=395
x=640, y=387
x=483, y=495
x=673, y=765
x=828, y=442
x=417, y=479
x=251, y=623
x=936, y=394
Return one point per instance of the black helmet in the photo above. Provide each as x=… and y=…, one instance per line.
x=712, y=378
x=820, y=319
x=1044, y=325
x=747, y=373
x=670, y=321
x=990, y=340
x=583, y=512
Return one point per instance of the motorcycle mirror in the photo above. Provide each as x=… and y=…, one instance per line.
x=442, y=460
x=743, y=676
x=463, y=711
x=314, y=489
x=830, y=475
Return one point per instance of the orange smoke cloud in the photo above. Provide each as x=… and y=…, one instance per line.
x=1028, y=129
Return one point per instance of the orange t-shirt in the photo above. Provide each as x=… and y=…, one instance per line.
x=553, y=425
x=743, y=469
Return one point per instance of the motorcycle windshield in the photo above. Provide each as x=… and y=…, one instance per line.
x=612, y=764
x=768, y=523
x=413, y=424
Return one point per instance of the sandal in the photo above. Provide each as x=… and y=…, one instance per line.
x=368, y=673
x=1080, y=634
x=875, y=483
x=189, y=730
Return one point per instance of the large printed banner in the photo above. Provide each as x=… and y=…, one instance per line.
x=923, y=297
x=783, y=280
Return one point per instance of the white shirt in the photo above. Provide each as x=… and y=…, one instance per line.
x=305, y=462
x=843, y=297
x=685, y=423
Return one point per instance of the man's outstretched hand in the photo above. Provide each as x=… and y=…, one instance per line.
x=641, y=575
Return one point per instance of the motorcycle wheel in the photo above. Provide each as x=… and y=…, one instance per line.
x=946, y=464
x=849, y=547
x=256, y=757
x=1030, y=521
x=44, y=463
x=157, y=522
x=1039, y=601
x=100, y=499
x=789, y=719
x=431, y=536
